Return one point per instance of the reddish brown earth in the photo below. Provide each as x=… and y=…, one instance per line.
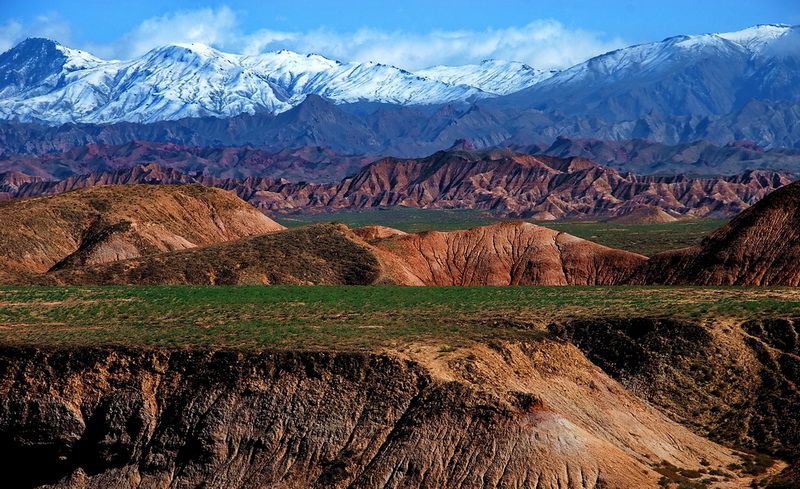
x=644, y=215
x=520, y=185
x=761, y=246
x=330, y=254
x=511, y=253
x=501, y=181
x=108, y=223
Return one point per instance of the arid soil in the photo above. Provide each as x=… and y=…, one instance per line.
x=510, y=253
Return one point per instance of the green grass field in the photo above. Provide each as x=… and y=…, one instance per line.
x=347, y=317
x=402, y=218
x=646, y=239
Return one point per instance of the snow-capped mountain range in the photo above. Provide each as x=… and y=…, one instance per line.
x=683, y=75
x=42, y=81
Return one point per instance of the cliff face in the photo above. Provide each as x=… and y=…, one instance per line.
x=503, y=415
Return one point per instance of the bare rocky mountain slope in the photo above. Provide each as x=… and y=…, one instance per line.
x=649, y=157
x=500, y=180
x=498, y=416
x=761, y=246
x=412, y=132
x=102, y=224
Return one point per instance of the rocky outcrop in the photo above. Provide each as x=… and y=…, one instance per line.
x=511, y=253
x=761, y=246
x=509, y=415
x=109, y=223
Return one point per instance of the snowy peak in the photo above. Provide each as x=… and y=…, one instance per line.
x=699, y=75
x=39, y=62
x=43, y=81
x=759, y=37
x=491, y=75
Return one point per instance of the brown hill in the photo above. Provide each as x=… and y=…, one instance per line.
x=510, y=253
x=108, y=223
x=502, y=181
x=643, y=215
x=761, y=246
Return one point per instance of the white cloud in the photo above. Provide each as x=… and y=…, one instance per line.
x=543, y=44
x=215, y=27
x=51, y=26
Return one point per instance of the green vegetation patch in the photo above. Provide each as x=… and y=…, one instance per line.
x=403, y=218
x=348, y=317
x=646, y=239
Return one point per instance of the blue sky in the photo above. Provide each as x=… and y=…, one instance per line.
x=411, y=34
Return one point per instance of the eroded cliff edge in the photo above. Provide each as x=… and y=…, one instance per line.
x=500, y=414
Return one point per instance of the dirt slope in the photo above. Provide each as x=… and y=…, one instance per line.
x=510, y=253
x=102, y=224
x=643, y=215
x=734, y=381
x=761, y=246
x=499, y=416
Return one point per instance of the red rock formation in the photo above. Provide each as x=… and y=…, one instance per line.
x=504, y=182
x=511, y=253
